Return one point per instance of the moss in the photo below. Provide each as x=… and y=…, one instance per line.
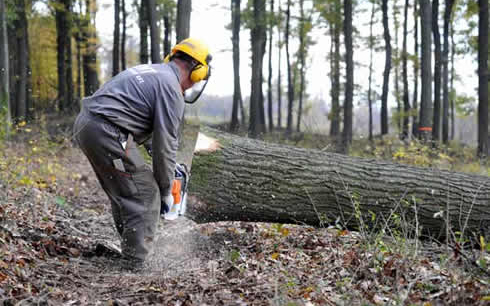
x=203, y=169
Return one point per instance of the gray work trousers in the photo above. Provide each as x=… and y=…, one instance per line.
x=133, y=191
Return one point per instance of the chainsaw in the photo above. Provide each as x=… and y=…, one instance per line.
x=179, y=193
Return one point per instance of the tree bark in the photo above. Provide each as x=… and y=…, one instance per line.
x=269, y=77
x=143, y=24
x=243, y=179
x=301, y=55
x=483, y=79
x=116, y=39
x=445, y=73
x=123, y=35
x=235, y=38
x=20, y=24
x=154, y=33
x=386, y=73
x=335, y=89
x=416, y=64
x=183, y=27
x=436, y=128
x=425, y=118
x=90, y=75
x=4, y=68
x=258, y=37
x=406, y=100
x=167, y=12
x=289, y=124
x=370, y=78
x=279, y=75
x=349, y=77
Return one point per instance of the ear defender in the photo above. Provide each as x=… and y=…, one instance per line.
x=200, y=73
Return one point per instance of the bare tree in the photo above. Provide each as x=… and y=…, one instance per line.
x=235, y=38
x=4, y=67
x=386, y=73
x=445, y=74
x=154, y=33
x=349, y=82
x=406, y=101
x=116, y=38
x=483, y=79
x=143, y=25
x=269, y=79
x=425, y=124
x=436, y=128
x=183, y=27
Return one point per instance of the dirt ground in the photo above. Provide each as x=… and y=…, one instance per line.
x=49, y=256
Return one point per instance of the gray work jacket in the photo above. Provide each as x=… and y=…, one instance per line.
x=143, y=100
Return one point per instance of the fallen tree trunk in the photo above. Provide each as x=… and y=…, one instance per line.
x=241, y=179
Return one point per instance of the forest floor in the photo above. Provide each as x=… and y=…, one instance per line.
x=53, y=215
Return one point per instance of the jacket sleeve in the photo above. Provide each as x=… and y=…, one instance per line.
x=169, y=109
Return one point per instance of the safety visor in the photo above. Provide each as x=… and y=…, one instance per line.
x=192, y=94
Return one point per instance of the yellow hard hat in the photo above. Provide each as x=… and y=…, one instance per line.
x=198, y=51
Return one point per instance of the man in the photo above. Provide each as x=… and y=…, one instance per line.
x=140, y=103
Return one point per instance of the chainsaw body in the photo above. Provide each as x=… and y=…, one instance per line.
x=179, y=193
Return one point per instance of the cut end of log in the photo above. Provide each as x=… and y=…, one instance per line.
x=206, y=144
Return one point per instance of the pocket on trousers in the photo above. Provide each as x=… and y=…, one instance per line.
x=147, y=188
x=127, y=186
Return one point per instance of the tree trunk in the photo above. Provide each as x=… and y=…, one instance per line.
x=425, y=124
x=235, y=38
x=90, y=75
x=396, y=60
x=69, y=107
x=349, y=82
x=279, y=76
x=167, y=47
x=4, y=68
x=183, y=27
x=416, y=64
x=258, y=38
x=436, y=128
x=20, y=24
x=250, y=180
x=370, y=78
x=445, y=74
x=287, y=32
x=269, y=80
x=386, y=73
x=483, y=79
x=406, y=100
x=143, y=23
x=123, y=37
x=453, y=73
x=335, y=90
x=154, y=33
x=302, y=55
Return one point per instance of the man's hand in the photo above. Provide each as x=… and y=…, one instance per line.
x=166, y=204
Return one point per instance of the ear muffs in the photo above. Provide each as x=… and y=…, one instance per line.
x=200, y=73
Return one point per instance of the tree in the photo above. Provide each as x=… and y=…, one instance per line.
x=116, y=39
x=436, y=128
x=483, y=79
x=406, y=100
x=4, y=68
x=168, y=15
x=284, y=184
x=279, y=75
x=371, y=41
x=63, y=9
x=349, y=82
x=445, y=73
x=183, y=27
x=303, y=42
x=22, y=62
x=89, y=38
x=123, y=37
x=143, y=25
x=336, y=27
x=416, y=65
x=287, y=32
x=258, y=36
x=154, y=32
x=269, y=79
x=386, y=73
x=425, y=125
x=235, y=38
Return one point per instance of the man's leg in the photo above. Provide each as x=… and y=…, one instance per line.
x=134, y=193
